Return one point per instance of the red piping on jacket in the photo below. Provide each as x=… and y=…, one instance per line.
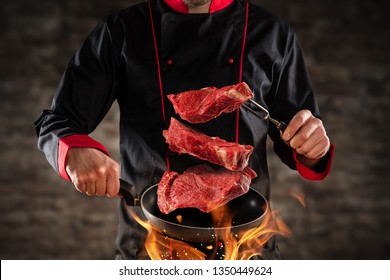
x=158, y=62
x=241, y=65
x=159, y=76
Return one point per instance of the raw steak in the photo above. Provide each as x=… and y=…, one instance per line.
x=201, y=187
x=183, y=139
x=199, y=106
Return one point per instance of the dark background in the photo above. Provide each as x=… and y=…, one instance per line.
x=347, y=216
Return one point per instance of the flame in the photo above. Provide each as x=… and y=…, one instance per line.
x=247, y=244
x=162, y=247
x=256, y=238
x=236, y=246
x=298, y=196
x=179, y=218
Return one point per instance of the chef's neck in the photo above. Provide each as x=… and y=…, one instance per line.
x=203, y=9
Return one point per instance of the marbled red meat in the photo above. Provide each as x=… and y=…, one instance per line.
x=201, y=187
x=200, y=106
x=183, y=139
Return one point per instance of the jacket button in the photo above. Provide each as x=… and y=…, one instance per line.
x=230, y=60
x=169, y=62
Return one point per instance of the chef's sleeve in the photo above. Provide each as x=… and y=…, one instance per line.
x=292, y=92
x=83, y=97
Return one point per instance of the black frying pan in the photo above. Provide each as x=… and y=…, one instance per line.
x=247, y=210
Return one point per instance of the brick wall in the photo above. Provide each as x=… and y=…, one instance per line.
x=347, y=216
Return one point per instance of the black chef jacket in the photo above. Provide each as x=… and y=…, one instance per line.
x=140, y=54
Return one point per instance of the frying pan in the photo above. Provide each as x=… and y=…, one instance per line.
x=247, y=212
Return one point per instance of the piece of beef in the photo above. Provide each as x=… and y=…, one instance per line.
x=183, y=139
x=201, y=187
x=199, y=106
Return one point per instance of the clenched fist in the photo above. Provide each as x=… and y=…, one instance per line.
x=93, y=172
x=306, y=134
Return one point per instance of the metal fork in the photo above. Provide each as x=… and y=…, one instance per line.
x=279, y=124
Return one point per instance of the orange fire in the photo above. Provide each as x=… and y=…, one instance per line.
x=241, y=246
x=162, y=247
x=248, y=244
x=298, y=196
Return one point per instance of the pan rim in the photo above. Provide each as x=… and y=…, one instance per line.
x=202, y=228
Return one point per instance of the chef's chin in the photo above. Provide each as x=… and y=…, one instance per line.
x=196, y=3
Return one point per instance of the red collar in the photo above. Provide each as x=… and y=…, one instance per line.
x=216, y=5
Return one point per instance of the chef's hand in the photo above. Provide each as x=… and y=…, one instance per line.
x=306, y=134
x=92, y=172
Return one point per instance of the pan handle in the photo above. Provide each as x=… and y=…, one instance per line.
x=128, y=192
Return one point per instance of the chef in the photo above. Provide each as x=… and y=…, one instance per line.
x=138, y=56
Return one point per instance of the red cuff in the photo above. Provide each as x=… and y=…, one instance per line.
x=76, y=140
x=310, y=174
